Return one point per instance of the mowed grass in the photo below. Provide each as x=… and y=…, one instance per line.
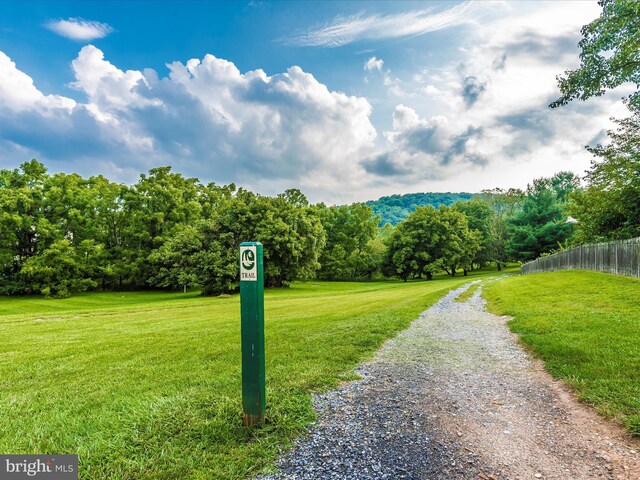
x=467, y=294
x=586, y=328
x=147, y=385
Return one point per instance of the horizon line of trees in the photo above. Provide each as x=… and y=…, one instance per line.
x=63, y=233
x=395, y=208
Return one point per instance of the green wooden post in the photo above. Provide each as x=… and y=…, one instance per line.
x=252, y=331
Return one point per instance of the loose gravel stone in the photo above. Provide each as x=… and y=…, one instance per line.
x=455, y=397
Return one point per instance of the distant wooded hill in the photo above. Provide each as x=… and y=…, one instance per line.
x=395, y=208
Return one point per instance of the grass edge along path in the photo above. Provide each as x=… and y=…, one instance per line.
x=585, y=327
x=147, y=385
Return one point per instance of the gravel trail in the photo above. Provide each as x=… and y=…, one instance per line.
x=455, y=397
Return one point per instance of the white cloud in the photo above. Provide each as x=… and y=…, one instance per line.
x=343, y=31
x=107, y=87
x=18, y=93
x=430, y=90
x=206, y=118
x=419, y=149
x=79, y=29
x=374, y=64
x=269, y=132
x=495, y=94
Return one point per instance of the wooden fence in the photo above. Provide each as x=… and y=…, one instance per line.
x=621, y=257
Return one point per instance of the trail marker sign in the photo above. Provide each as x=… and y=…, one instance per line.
x=248, y=263
x=252, y=332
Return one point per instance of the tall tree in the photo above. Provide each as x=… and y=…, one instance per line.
x=25, y=230
x=348, y=253
x=480, y=218
x=610, y=57
x=505, y=204
x=430, y=240
x=610, y=207
x=413, y=248
x=176, y=261
x=292, y=235
x=57, y=271
x=458, y=244
x=541, y=226
x=154, y=208
x=290, y=231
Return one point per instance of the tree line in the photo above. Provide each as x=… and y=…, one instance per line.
x=63, y=233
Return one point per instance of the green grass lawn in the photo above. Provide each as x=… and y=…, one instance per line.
x=586, y=328
x=147, y=385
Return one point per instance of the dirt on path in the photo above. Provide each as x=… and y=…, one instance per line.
x=455, y=397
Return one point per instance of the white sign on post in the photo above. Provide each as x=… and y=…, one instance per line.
x=248, y=264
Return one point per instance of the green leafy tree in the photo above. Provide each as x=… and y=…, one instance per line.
x=505, y=204
x=218, y=259
x=25, y=230
x=610, y=206
x=57, y=271
x=480, y=218
x=203, y=256
x=499, y=241
x=176, y=263
x=154, y=208
x=89, y=212
x=562, y=184
x=367, y=261
x=610, y=57
x=292, y=236
x=458, y=244
x=413, y=246
x=290, y=231
x=610, y=54
x=540, y=226
x=430, y=240
x=348, y=252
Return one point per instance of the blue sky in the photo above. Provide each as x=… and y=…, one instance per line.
x=347, y=101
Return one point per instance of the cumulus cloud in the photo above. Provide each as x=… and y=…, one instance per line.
x=373, y=64
x=79, y=29
x=424, y=149
x=206, y=118
x=18, y=93
x=477, y=118
x=343, y=31
x=498, y=88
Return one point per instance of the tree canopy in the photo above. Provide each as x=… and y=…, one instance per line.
x=349, y=252
x=430, y=240
x=541, y=225
x=609, y=208
x=63, y=233
x=610, y=54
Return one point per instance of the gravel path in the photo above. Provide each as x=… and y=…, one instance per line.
x=455, y=397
